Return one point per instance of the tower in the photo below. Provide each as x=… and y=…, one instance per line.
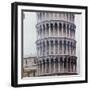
x=56, y=44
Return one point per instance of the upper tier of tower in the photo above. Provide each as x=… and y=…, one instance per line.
x=63, y=16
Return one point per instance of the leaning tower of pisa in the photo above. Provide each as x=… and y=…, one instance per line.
x=56, y=44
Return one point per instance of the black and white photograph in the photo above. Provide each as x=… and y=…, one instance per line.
x=51, y=41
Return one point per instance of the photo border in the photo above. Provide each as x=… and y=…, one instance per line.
x=14, y=43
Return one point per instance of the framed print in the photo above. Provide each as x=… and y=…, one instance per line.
x=49, y=44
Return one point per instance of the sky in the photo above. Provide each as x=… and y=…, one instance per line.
x=29, y=34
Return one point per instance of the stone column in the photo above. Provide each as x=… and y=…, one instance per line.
x=45, y=31
x=76, y=65
x=62, y=47
x=42, y=67
x=49, y=31
x=38, y=49
x=42, y=32
x=75, y=48
x=45, y=48
x=58, y=47
x=58, y=29
x=58, y=64
x=66, y=47
x=37, y=34
x=66, y=30
x=54, y=29
x=42, y=49
x=67, y=63
x=70, y=48
x=49, y=47
x=49, y=66
x=69, y=30
x=73, y=65
x=54, y=66
x=38, y=68
x=54, y=47
x=66, y=69
x=70, y=65
x=45, y=66
x=63, y=65
x=62, y=29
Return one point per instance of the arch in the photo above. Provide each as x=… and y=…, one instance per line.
x=61, y=64
x=43, y=48
x=69, y=64
x=56, y=29
x=47, y=26
x=43, y=27
x=56, y=46
x=47, y=14
x=40, y=30
x=51, y=25
x=70, y=16
x=60, y=26
x=68, y=29
x=40, y=66
x=64, y=26
x=43, y=65
x=43, y=30
x=61, y=60
x=64, y=29
x=60, y=46
x=51, y=46
x=47, y=47
x=68, y=45
x=64, y=46
x=65, y=63
x=56, y=64
x=72, y=63
x=43, y=14
x=56, y=42
x=56, y=26
x=71, y=47
x=47, y=62
x=40, y=15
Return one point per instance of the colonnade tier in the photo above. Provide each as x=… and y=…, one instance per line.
x=66, y=16
x=56, y=46
x=55, y=28
x=57, y=65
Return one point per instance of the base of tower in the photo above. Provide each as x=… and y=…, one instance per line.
x=58, y=74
